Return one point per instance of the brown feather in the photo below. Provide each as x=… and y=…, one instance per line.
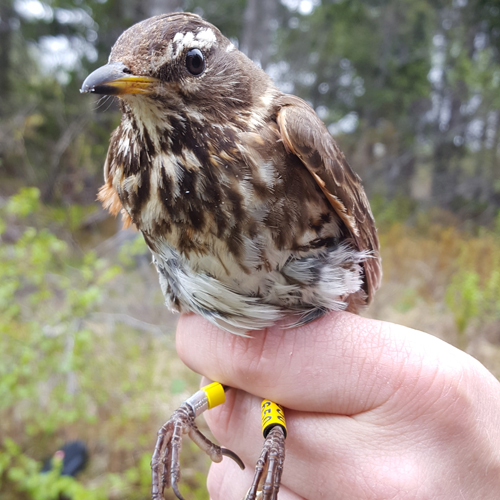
x=305, y=135
x=111, y=202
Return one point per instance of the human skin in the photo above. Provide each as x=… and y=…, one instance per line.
x=374, y=410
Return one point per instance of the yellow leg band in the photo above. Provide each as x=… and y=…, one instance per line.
x=215, y=394
x=272, y=415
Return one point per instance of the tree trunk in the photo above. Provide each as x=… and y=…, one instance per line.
x=157, y=7
x=6, y=13
x=259, y=25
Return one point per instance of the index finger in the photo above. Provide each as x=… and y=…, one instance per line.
x=341, y=363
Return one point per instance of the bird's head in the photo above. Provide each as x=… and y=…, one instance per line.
x=175, y=61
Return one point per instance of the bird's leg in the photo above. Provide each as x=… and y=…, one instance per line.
x=267, y=478
x=165, y=463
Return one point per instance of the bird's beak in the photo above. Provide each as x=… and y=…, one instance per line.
x=115, y=79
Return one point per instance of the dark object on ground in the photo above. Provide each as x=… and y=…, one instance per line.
x=74, y=455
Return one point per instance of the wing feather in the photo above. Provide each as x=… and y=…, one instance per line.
x=305, y=135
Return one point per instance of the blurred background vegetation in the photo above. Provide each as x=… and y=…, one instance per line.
x=409, y=88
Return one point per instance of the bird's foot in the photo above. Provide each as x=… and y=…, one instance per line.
x=267, y=479
x=165, y=463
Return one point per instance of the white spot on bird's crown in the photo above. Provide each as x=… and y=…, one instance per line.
x=203, y=39
x=207, y=35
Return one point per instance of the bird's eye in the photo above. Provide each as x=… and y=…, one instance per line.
x=195, y=62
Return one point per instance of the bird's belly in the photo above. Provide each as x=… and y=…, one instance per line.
x=239, y=300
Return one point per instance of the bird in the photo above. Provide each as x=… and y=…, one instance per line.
x=250, y=210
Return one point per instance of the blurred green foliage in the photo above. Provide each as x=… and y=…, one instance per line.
x=23, y=474
x=389, y=212
x=472, y=295
x=62, y=369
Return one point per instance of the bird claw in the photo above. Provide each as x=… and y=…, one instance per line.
x=269, y=467
x=165, y=463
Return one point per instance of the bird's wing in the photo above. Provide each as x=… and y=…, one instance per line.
x=305, y=135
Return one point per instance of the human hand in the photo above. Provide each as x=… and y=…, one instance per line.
x=374, y=410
